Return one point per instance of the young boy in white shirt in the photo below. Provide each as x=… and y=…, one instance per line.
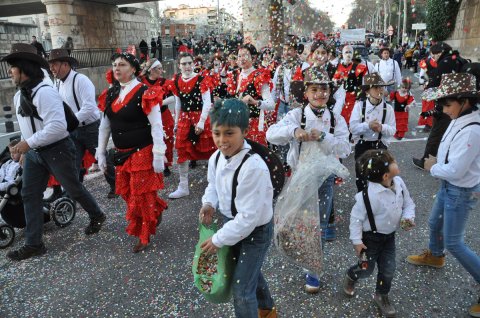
x=248, y=228
x=314, y=122
x=379, y=210
x=372, y=122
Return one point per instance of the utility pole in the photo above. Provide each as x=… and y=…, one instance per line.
x=405, y=17
x=399, y=34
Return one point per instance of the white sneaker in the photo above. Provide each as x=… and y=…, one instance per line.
x=179, y=193
x=94, y=168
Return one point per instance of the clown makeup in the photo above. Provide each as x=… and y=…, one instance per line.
x=123, y=71
x=217, y=65
x=347, y=54
x=156, y=72
x=186, y=66
x=320, y=56
x=245, y=60
x=318, y=95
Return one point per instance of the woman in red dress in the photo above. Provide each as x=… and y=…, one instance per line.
x=193, y=134
x=402, y=101
x=132, y=116
x=253, y=87
x=152, y=76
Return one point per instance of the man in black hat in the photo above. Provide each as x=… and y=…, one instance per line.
x=46, y=148
x=78, y=92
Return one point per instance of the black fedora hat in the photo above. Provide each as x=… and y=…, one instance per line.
x=24, y=51
x=62, y=56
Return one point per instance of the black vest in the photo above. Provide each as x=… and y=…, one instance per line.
x=192, y=101
x=250, y=90
x=130, y=126
x=399, y=107
x=353, y=83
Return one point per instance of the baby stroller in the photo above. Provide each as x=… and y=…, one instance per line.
x=61, y=210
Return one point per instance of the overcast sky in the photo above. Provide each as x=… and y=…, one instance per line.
x=337, y=9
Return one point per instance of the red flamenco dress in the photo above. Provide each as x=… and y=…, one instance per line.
x=136, y=182
x=191, y=104
x=352, y=77
x=167, y=118
x=252, y=85
x=400, y=104
x=427, y=65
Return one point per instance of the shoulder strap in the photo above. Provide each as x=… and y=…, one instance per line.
x=35, y=112
x=332, y=121
x=216, y=159
x=469, y=124
x=368, y=207
x=364, y=110
x=384, y=115
x=233, y=208
x=303, y=123
x=74, y=94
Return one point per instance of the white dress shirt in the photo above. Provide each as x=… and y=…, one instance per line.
x=53, y=127
x=388, y=207
x=85, y=92
x=389, y=71
x=287, y=77
x=360, y=127
x=463, y=167
x=254, y=199
x=283, y=133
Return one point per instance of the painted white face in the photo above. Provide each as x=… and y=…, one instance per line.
x=347, y=54
x=186, y=66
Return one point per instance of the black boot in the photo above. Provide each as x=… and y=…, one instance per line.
x=26, y=251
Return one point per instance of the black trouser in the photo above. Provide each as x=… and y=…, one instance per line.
x=360, y=148
x=439, y=127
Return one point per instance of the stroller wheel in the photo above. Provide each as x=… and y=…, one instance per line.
x=63, y=211
x=7, y=235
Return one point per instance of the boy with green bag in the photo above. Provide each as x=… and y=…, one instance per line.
x=246, y=205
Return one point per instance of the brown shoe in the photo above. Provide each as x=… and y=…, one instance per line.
x=267, y=313
x=475, y=310
x=427, y=259
x=383, y=303
x=348, y=285
x=139, y=247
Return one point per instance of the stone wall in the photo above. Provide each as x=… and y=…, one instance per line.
x=13, y=33
x=466, y=36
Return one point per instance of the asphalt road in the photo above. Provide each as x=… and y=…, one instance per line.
x=99, y=276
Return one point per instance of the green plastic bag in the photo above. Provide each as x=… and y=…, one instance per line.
x=212, y=273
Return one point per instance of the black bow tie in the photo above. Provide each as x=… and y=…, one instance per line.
x=318, y=112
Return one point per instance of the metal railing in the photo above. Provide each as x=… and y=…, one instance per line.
x=95, y=57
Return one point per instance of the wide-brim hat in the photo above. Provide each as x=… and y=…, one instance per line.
x=374, y=80
x=62, y=56
x=316, y=76
x=24, y=51
x=453, y=85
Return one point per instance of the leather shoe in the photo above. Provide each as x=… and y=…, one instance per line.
x=139, y=247
x=26, y=251
x=95, y=224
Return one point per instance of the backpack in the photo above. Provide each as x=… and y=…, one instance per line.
x=70, y=118
x=274, y=164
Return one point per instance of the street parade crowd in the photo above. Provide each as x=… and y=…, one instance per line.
x=223, y=111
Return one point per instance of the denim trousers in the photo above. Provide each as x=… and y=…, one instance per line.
x=448, y=219
x=325, y=203
x=380, y=250
x=250, y=290
x=58, y=160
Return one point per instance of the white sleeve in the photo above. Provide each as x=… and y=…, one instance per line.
x=103, y=134
x=390, y=126
x=210, y=196
x=357, y=127
x=267, y=102
x=398, y=74
x=460, y=157
x=207, y=104
x=50, y=109
x=85, y=92
x=421, y=79
x=274, y=90
x=155, y=119
x=169, y=100
x=178, y=107
x=339, y=97
x=283, y=132
x=338, y=142
x=357, y=217
x=408, y=209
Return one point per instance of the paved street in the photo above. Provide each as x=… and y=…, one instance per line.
x=99, y=276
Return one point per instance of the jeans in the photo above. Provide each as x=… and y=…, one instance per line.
x=380, y=250
x=58, y=160
x=250, y=290
x=448, y=219
x=86, y=139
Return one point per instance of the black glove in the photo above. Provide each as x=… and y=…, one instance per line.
x=426, y=114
